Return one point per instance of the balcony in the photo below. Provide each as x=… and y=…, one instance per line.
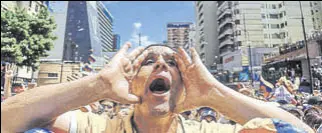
x=222, y=13
x=227, y=41
x=228, y=31
x=226, y=21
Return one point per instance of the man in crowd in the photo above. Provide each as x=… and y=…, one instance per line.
x=109, y=108
x=162, y=82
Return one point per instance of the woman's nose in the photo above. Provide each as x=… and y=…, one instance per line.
x=161, y=64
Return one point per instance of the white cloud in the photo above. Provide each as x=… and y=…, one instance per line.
x=135, y=36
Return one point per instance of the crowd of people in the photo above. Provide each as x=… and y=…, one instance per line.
x=306, y=107
x=217, y=112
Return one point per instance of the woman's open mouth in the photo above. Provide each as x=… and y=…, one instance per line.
x=159, y=86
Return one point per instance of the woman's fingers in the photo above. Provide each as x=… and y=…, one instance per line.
x=194, y=55
x=180, y=63
x=124, y=48
x=185, y=57
x=135, y=53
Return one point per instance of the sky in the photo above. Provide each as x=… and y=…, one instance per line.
x=148, y=18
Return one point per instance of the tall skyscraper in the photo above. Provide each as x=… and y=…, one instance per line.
x=178, y=33
x=206, y=33
x=116, y=42
x=83, y=28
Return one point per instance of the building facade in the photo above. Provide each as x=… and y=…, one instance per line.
x=83, y=28
x=316, y=12
x=116, y=42
x=263, y=23
x=178, y=33
x=30, y=6
x=206, y=33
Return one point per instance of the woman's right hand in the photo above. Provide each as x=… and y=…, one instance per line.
x=116, y=76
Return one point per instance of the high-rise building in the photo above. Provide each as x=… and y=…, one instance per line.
x=84, y=35
x=30, y=6
x=116, y=42
x=206, y=33
x=192, y=39
x=316, y=12
x=261, y=23
x=83, y=28
x=178, y=33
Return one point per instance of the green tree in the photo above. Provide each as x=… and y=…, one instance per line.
x=25, y=38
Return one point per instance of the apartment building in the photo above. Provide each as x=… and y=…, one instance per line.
x=316, y=12
x=206, y=33
x=30, y=6
x=178, y=33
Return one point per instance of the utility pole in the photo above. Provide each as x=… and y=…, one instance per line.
x=249, y=51
x=307, y=49
x=139, y=39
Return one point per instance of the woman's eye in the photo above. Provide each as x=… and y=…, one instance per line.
x=172, y=63
x=148, y=62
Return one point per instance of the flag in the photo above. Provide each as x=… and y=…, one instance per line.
x=87, y=68
x=91, y=58
x=266, y=87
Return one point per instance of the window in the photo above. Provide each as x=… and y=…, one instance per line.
x=200, y=7
x=312, y=12
x=236, y=11
x=310, y=4
x=285, y=23
x=274, y=6
x=263, y=16
x=282, y=35
x=284, y=13
x=264, y=26
x=315, y=3
x=201, y=22
x=30, y=4
x=275, y=36
x=316, y=10
x=36, y=8
x=200, y=15
x=313, y=20
x=279, y=5
x=275, y=26
x=265, y=35
x=281, y=15
x=282, y=25
x=52, y=74
x=237, y=22
x=273, y=16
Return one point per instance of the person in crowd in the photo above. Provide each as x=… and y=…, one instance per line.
x=208, y=115
x=186, y=114
x=9, y=74
x=162, y=82
x=313, y=117
x=283, y=92
x=109, y=108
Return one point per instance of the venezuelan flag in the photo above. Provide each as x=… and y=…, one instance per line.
x=265, y=86
x=88, y=68
x=91, y=58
